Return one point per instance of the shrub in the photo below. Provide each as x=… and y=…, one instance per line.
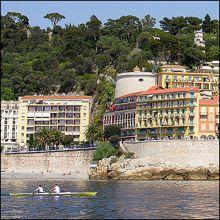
x=129, y=155
x=104, y=150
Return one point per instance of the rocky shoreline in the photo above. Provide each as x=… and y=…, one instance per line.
x=135, y=169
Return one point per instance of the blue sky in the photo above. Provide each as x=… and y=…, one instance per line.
x=77, y=12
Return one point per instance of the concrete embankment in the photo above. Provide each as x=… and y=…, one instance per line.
x=54, y=164
x=163, y=160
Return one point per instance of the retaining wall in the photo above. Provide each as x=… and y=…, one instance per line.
x=72, y=162
x=182, y=153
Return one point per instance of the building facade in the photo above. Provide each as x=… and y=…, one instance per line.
x=209, y=118
x=9, y=122
x=206, y=82
x=135, y=81
x=69, y=114
x=123, y=114
x=167, y=113
x=198, y=39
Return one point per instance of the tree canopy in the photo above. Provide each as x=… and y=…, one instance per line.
x=85, y=58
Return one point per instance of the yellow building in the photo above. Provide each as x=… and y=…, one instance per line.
x=167, y=113
x=69, y=114
x=171, y=77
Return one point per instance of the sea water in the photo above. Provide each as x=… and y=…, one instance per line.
x=114, y=200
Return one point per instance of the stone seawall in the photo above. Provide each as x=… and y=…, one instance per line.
x=163, y=160
x=72, y=163
x=183, y=153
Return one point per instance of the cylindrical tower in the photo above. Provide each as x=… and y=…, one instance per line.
x=131, y=82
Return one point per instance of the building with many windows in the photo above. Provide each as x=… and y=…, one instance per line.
x=207, y=82
x=123, y=114
x=69, y=114
x=9, y=121
x=167, y=113
x=209, y=117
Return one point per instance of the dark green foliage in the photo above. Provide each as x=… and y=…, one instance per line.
x=112, y=130
x=67, y=140
x=75, y=56
x=76, y=59
x=129, y=155
x=104, y=150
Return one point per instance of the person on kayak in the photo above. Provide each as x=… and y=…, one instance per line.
x=39, y=189
x=56, y=189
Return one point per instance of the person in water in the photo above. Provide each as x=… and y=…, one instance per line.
x=39, y=189
x=55, y=189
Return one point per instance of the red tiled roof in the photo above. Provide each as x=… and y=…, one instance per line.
x=129, y=94
x=214, y=101
x=159, y=89
x=155, y=87
x=43, y=97
x=171, y=90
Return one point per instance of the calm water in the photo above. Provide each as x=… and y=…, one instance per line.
x=115, y=199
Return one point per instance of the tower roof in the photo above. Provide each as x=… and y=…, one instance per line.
x=137, y=69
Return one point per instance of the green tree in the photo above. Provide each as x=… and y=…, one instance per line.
x=43, y=137
x=112, y=130
x=54, y=18
x=104, y=150
x=55, y=137
x=7, y=94
x=148, y=22
x=67, y=140
x=206, y=24
x=94, y=26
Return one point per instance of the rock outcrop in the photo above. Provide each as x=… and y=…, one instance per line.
x=135, y=169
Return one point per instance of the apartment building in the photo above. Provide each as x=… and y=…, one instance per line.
x=9, y=121
x=167, y=113
x=209, y=118
x=123, y=113
x=207, y=82
x=69, y=114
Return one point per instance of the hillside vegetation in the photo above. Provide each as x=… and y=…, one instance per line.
x=84, y=59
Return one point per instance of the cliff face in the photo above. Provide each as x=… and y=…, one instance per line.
x=138, y=169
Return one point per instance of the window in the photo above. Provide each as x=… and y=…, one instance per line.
x=46, y=108
x=211, y=127
x=203, y=117
x=54, y=108
x=38, y=108
x=61, y=108
x=69, y=108
x=31, y=108
x=69, y=122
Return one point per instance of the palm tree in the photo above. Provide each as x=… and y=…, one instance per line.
x=56, y=137
x=43, y=136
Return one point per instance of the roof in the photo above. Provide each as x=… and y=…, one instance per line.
x=214, y=101
x=160, y=90
x=130, y=94
x=173, y=66
x=55, y=97
x=187, y=73
x=137, y=69
x=155, y=87
x=171, y=90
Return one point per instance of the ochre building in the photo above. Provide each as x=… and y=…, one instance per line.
x=173, y=76
x=69, y=114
